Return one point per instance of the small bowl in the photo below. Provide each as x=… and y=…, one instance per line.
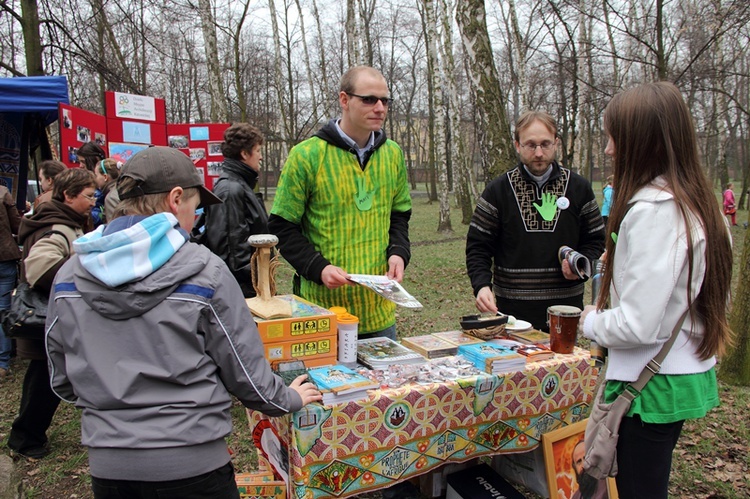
x=478, y=321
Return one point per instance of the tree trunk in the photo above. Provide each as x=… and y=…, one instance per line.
x=352, y=34
x=215, y=80
x=735, y=365
x=277, y=71
x=493, y=130
x=438, y=138
x=459, y=163
x=519, y=48
x=237, y=49
x=31, y=38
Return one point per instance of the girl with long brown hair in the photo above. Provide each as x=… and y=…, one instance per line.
x=669, y=251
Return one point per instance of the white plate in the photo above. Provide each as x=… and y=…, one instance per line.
x=518, y=326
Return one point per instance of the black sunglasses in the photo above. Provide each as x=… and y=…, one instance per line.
x=371, y=100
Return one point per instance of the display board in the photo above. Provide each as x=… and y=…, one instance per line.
x=78, y=126
x=202, y=143
x=135, y=122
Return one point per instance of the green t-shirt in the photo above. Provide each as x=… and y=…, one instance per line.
x=668, y=398
x=317, y=190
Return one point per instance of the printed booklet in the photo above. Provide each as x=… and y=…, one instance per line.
x=430, y=346
x=532, y=352
x=458, y=337
x=387, y=288
x=379, y=353
x=492, y=358
x=339, y=383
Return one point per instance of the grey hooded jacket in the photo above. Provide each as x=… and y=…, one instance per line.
x=152, y=364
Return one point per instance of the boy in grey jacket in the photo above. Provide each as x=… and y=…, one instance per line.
x=149, y=335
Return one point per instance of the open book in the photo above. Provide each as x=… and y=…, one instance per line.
x=387, y=288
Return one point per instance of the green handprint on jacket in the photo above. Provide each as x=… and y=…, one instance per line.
x=549, y=206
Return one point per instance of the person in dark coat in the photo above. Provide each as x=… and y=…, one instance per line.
x=47, y=238
x=10, y=220
x=242, y=213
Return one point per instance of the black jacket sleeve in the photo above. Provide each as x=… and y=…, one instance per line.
x=398, y=236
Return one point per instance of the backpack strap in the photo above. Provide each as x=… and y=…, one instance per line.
x=54, y=231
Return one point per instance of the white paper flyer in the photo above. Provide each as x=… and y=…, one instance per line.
x=387, y=288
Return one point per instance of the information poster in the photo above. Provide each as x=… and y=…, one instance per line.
x=78, y=126
x=136, y=119
x=202, y=143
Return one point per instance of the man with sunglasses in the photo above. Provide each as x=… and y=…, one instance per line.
x=343, y=206
x=522, y=219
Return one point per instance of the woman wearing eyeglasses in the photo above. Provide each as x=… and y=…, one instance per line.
x=47, y=238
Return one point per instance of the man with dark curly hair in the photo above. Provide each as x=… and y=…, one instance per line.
x=242, y=214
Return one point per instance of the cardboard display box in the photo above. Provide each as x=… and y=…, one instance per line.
x=260, y=486
x=315, y=351
x=480, y=482
x=310, y=335
x=307, y=321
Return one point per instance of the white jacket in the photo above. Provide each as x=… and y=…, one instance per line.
x=649, y=291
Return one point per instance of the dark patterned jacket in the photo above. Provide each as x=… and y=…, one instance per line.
x=512, y=248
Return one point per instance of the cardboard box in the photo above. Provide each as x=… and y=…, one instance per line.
x=308, y=321
x=314, y=351
x=260, y=486
x=524, y=468
x=479, y=482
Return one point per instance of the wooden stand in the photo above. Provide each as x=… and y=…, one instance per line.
x=264, y=305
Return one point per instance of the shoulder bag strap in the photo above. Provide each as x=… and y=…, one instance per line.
x=54, y=231
x=654, y=365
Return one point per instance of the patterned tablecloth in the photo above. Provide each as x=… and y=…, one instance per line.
x=398, y=433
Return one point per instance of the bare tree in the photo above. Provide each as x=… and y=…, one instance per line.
x=437, y=137
x=215, y=80
x=458, y=160
x=493, y=130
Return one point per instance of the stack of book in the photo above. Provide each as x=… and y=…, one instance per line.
x=339, y=383
x=379, y=353
x=532, y=352
x=458, y=338
x=492, y=358
x=531, y=336
x=430, y=346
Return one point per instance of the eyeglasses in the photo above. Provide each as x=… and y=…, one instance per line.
x=546, y=146
x=91, y=197
x=371, y=100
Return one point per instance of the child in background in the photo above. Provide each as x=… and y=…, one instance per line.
x=608, y=192
x=730, y=210
x=106, y=173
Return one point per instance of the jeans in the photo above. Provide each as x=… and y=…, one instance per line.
x=644, y=458
x=389, y=332
x=8, y=274
x=216, y=484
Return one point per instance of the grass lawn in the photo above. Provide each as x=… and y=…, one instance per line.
x=711, y=459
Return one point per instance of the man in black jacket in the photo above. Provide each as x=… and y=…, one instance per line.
x=242, y=213
x=522, y=219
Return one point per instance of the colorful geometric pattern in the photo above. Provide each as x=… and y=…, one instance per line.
x=398, y=433
x=528, y=194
